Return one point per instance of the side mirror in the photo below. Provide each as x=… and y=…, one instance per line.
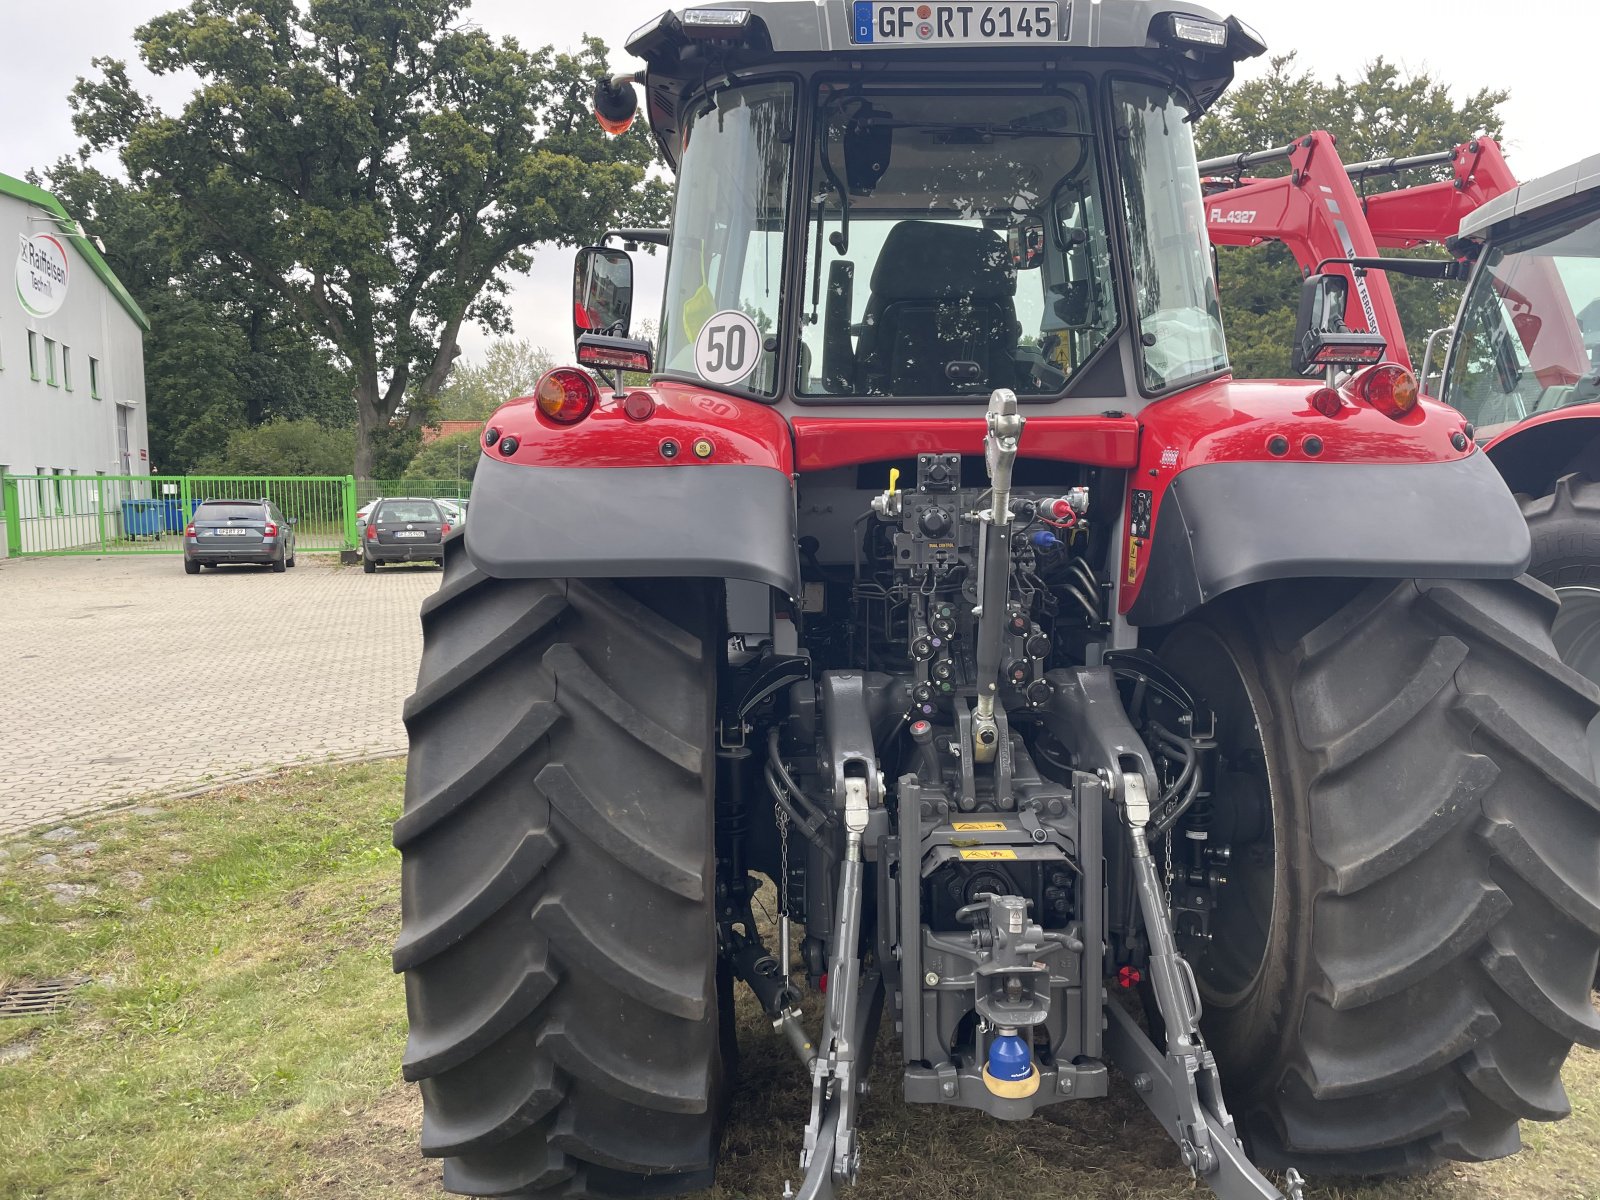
x=1321, y=339
x=602, y=292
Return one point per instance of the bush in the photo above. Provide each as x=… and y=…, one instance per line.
x=284, y=448
x=451, y=457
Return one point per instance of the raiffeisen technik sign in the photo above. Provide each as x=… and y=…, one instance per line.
x=41, y=274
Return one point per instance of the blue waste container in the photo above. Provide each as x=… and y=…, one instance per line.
x=174, y=514
x=141, y=518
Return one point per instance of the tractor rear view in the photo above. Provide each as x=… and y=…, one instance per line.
x=943, y=577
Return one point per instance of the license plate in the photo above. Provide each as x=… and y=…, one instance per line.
x=876, y=23
x=410, y=533
x=232, y=532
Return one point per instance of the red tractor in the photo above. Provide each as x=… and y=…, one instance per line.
x=944, y=578
x=1525, y=376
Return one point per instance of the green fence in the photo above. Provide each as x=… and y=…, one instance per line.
x=62, y=513
x=368, y=490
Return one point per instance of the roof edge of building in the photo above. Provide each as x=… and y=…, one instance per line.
x=30, y=193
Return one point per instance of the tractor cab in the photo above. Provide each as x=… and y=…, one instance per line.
x=1527, y=341
x=887, y=204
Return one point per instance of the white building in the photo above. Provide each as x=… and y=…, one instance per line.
x=71, y=363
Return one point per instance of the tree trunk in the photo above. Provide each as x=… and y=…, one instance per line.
x=370, y=421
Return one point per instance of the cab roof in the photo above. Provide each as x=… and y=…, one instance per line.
x=1577, y=184
x=685, y=48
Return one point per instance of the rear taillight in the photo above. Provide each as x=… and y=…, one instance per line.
x=188, y=531
x=444, y=530
x=271, y=530
x=566, y=395
x=1389, y=388
x=372, y=533
x=1327, y=401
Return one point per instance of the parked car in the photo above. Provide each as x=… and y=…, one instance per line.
x=238, y=531
x=403, y=530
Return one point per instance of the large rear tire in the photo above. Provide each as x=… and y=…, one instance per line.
x=558, y=935
x=1402, y=955
x=1565, y=527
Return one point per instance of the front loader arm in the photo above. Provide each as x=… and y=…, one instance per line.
x=1316, y=213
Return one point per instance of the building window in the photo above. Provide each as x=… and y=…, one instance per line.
x=42, y=490
x=50, y=361
x=94, y=377
x=66, y=366
x=33, y=354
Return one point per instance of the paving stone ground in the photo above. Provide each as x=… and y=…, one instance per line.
x=126, y=677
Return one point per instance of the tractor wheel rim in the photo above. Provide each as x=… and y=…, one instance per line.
x=1576, y=634
x=1229, y=965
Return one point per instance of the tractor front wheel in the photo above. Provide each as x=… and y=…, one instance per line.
x=558, y=935
x=1401, y=955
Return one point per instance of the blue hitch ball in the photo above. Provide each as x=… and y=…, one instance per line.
x=1009, y=1058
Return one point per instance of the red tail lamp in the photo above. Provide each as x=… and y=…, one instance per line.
x=1389, y=388
x=188, y=531
x=270, y=530
x=1327, y=401
x=372, y=533
x=444, y=530
x=566, y=395
x=639, y=406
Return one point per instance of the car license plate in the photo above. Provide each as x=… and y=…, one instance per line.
x=232, y=532
x=410, y=533
x=876, y=23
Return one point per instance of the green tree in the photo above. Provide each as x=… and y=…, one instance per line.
x=300, y=447
x=380, y=165
x=1382, y=113
x=454, y=456
x=510, y=367
x=222, y=352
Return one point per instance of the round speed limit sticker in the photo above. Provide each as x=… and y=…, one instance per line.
x=728, y=348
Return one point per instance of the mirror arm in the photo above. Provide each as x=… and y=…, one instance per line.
x=1420, y=268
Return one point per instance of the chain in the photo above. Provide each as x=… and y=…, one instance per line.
x=1169, y=876
x=781, y=815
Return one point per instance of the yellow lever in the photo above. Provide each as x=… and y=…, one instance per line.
x=894, y=480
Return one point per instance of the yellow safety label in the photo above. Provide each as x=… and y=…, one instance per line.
x=988, y=854
x=968, y=826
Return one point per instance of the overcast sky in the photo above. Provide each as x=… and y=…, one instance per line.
x=1542, y=51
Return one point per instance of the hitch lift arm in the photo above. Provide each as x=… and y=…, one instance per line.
x=1182, y=1087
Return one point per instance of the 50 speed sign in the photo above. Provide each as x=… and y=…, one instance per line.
x=728, y=347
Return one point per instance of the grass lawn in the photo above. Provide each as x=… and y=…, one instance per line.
x=241, y=1032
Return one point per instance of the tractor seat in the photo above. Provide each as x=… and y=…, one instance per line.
x=940, y=294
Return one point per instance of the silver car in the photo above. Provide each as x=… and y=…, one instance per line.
x=238, y=531
x=403, y=530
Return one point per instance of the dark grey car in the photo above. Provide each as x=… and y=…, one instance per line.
x=238, y=531
x=404, y=530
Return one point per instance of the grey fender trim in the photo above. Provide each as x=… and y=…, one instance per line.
x=725, y=522
x=1221, y=526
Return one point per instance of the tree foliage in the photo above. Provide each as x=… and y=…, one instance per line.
x=378, y=165
x=454, y=456
x=510, y=367
x=1380, y=114
x=300, y=447
x=222, y=352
